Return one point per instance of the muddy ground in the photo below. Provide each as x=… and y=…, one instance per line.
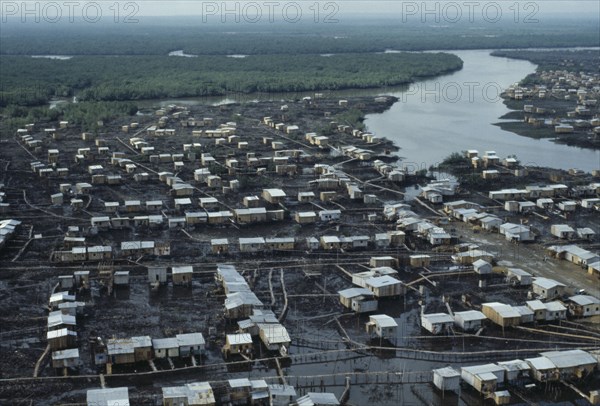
x=323, y=350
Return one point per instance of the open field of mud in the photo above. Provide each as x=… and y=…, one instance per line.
x=330, y=347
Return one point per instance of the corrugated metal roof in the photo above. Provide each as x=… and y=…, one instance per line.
x=190, y=339
x=504, y=310
x=258, y=384
x=482, y=369
x=59, y=333
x=536, y=305
x=280, y=240
x=523, y=310
x=570, y=358
x=314, y=398
x=446, y=372
x=255, y=240
x=108, y=397
x=56, y=297
x=584, y=300
x=470, y=315
x=245, y=324
x=164, y=343
x=383, y=320
x=237, y=299
x=487, y=376
x=182, y=269
x=252, y=210
x=436, y=318
x=274, y=333
x=355, y=292
x=515, y=365
x=57, y=319
x=238, y=339
x=540, y=363
x=268, y=317
x=275, y=192
x=282, y=390
x=381, y=281
x=240, y=383
x=120, y=346
x=141, y=341
x=518, y=272
x=547, y=283
x=384, y=270
x=233, y=287
x=330, y=239
x=555, y=306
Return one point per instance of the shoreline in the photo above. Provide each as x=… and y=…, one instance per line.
x=548, y=100
x=387, y=50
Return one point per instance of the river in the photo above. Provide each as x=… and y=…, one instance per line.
x=456, y=112
x=449, y=113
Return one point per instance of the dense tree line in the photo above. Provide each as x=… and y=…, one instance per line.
x=29, y=81
x=159, y=37
x=85, y=115
x=571, y=60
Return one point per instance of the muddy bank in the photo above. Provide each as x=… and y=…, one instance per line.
x=328, y=341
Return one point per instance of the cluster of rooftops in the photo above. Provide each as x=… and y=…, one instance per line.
x=547, y=367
